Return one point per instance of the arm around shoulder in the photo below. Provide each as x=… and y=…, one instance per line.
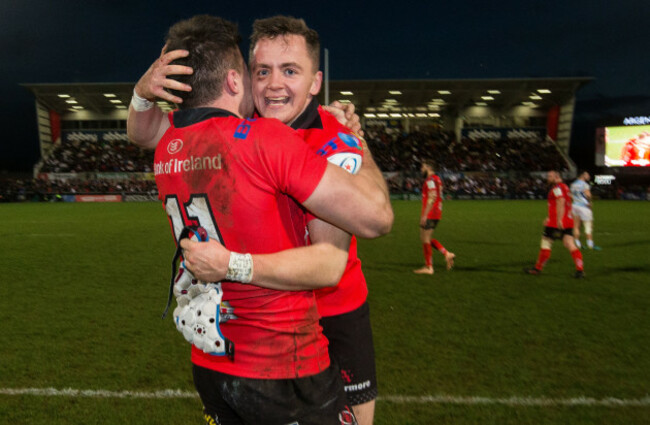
x=145, y=128
x=303, y=268
x=359, y=204
x=146, y=123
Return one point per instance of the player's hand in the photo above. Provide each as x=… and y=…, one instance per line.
x=154, y=82
x=423, y=221
x=345, y=115
x=207, y=261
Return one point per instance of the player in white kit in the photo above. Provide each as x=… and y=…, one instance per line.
x=581, y=193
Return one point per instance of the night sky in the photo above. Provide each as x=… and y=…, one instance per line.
x=50, y=41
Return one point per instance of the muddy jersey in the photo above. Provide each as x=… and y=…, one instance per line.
x=230, y=175
x=432, y=183
x=557, y=192
x=330, y=139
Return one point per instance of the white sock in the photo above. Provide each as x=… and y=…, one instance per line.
x=590, y=243
x=578, y=244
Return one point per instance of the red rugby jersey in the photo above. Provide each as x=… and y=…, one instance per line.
x=559, y=191
x=230, y=175
x=332, y=140
x=434, y=183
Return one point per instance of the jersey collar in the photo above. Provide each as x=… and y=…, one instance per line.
x=187, y=117
x=310, y=118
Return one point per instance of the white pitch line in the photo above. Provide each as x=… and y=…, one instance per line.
x=70, y=392
x=517, y=401
x=427, y=399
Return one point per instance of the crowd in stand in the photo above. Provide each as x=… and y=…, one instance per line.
x=16, y=190
x=85, y=155
x=396, y=150
x=477, y=186
x=469, y=167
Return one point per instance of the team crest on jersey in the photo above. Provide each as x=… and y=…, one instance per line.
x=350, y=140
x=350, y=162
x=346, y=417
x=174, y=146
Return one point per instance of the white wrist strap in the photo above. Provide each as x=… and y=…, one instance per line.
x=240, y=268
x=140, y=104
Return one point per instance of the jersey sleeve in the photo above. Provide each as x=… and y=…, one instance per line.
x=291, y=165
x=343, y=149
x=557, y=192
x=348, y=153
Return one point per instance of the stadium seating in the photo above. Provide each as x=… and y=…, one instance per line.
x=471, y=168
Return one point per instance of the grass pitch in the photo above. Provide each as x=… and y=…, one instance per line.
x=84, y=285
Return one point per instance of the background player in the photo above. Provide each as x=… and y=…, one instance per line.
x=432, y=192
x=582, y=211
x=558, y=225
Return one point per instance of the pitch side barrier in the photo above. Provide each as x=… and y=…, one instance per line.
x=112, y=197
x=30, y=196
x=479, y=197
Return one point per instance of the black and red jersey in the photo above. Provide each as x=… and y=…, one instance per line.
x=332, y=140
x=231, y=176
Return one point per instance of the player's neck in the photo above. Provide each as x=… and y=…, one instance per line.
x=309, y=99
x=225, y=102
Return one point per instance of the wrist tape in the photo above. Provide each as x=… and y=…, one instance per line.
x=140, y=104
x=240, y=268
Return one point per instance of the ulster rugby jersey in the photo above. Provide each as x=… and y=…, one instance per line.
x=434, y=183
x=559, y=191
x=228, y=175
x=330, y=139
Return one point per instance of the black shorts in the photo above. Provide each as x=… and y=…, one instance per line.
x=430, y=224
x=555, y=233
x=231, y=400
x=352, y=350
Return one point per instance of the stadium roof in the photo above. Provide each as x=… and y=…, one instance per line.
x=371, y=97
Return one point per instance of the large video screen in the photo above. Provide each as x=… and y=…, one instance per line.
x=625, y=146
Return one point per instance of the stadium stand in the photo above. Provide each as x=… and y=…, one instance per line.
x=84, y=156
x=398, y=151
x=472, y=168
x=495, y=149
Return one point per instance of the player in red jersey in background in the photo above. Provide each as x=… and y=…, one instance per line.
x=558, y=225
x=432, y=193
x=284, y=61
x=207, y=132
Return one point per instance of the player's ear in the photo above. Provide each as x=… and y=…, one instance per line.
x=233, y=82
x=316, y=83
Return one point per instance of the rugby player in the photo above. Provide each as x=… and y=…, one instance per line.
x=285, y=357
x=636, y=151
x=582, y=212
x=284, y=61
x=558, y=225
x=429, y=219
